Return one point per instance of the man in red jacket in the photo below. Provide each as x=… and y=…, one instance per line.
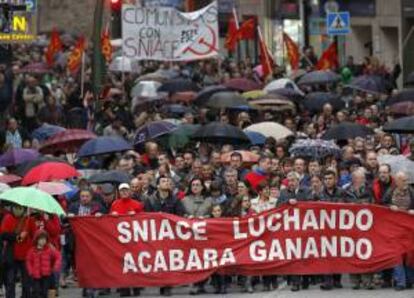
x=16, y=222
x=125, y=204
x=259, y=174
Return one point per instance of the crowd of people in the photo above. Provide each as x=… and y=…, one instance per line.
x=192, y=181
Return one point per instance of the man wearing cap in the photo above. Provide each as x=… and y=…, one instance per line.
x=107, y=196
x=125, y=204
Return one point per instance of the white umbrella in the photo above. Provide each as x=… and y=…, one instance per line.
x=4, y=187
x=398, y=163
x=53, y=188
x=146, y=89
x=282, y=83
x=270, y=129
x=124, y=64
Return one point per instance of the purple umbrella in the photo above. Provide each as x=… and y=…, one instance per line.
x=153, y=130
x=15, y=157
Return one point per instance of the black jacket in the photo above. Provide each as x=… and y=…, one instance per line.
x=170, y=205
x=303, y=194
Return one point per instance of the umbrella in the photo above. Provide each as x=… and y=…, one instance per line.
x=319, y=77
x=247, y=156
x=253, y=94
x=10, y=179
x=4, y=187
x=270, y=130
x=178, y=85
x=176, y=110
x=37, y=68
x=282, y=84
x=53, y=188
x=402, y=125
x=223, y=100
x=403, y=108
x=15, y=157
x=410, y=79
x=242, y=85
x=22, y=169
x=404, y=95
x=292, y=94
x=216, y=132
x=207, y=92
x=153, y=130
x=46, y=131
x=185, y=97
x=31, y=197
x=256, y=138
x=347, y=130
x=146, y=89
x=180, y=137
x=116, y=177
x=104, y=145
x=315, y=148
x=124, y=64
x=153, y=76
x=315, y=101
x=399, y=163
x=368, y=84
x=49, y=171
x=68, y=141
x=278, y=105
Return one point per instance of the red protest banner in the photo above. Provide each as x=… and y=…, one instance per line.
x=155, y=249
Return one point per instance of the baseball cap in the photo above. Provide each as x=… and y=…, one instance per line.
x=124, y=186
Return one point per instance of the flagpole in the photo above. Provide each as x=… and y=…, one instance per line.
x=83, y=74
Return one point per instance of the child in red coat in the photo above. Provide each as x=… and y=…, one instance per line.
x=42, y=261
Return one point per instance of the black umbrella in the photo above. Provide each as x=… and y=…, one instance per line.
x=222, y=100
x=315, y=101
x=175, y=110
x=216, y=132
x=366, y=83
x=402, y=125
x=347, y=130
x=292, y=94
x=404, y=95
x=207, y=92
x=116, y=177
x=178, y=85
x=318, y=77
x=410, y=79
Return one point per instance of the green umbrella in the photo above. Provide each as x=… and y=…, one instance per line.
x=180, y=137
x=32, y=198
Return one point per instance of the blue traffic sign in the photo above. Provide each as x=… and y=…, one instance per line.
x=338, y=23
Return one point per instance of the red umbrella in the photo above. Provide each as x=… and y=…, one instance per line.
x=10, y=179
x=242, y=85
x=69, y=140
x=247, y=156
x=39, y=68
x=49, y=171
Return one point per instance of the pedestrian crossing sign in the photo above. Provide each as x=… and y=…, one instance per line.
x=338, y=23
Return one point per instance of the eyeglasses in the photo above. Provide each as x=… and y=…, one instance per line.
x=196, y=184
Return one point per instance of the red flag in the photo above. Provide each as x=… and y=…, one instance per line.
x=54, y=47
x=292, y=51
x=247, y=29
x=106, y=45
x=75, y=58
x=232, y=32
x=266, y=58
x=329, y=58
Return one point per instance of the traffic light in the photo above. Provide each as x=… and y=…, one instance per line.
x=116, y=11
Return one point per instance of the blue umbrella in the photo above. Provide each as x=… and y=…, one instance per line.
x=117, y=177
x=256, y=138
x=104, y=145
x=45, y=131
x=15, y=157
x=153, y=130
